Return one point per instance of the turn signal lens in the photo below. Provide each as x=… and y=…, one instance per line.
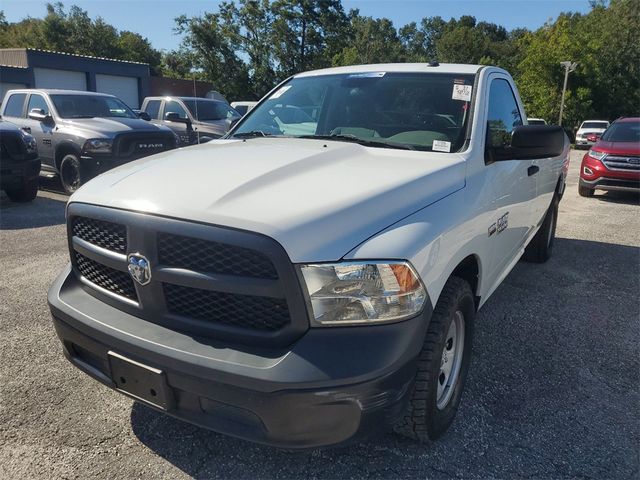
x=363, y=293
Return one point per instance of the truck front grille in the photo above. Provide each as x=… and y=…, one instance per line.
x=138, y=145
x=206, y=280
x=103, y=234
x=246, y=311
x=621, y=163
x=105, y=277
x=213, y=257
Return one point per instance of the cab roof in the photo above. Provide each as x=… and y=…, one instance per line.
x=397, y=67
x=59, y=91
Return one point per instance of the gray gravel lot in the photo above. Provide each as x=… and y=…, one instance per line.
x=553, y=389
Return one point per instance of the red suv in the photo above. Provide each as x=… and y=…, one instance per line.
x=613, y=163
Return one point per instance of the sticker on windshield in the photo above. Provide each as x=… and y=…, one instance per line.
x=280, y=91
x=462, y=92
x=368, y=75
x=441, y=146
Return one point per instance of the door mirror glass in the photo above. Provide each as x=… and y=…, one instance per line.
x=40, y=115
x=175, y=117
x=144, y=116
x=529, y=142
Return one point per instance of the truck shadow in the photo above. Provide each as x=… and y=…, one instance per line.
x=44, y=211
x=542, y=399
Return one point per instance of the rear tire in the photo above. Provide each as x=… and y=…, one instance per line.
x=436, y=394
x=25, y=192
x=72, y=173
x=585, y=191
x=540, y=248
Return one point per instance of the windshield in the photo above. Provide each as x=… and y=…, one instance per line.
x=88, y=106
x=422, y=111
x=209, y=110
x=601, y=125
x=623, y=132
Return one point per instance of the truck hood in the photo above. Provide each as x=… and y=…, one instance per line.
x=108, y=127
x=318, y=199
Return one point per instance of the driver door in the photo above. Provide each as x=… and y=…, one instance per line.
x=42, y=132
x=513, y=181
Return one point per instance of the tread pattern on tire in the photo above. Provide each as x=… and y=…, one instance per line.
x=414, y=423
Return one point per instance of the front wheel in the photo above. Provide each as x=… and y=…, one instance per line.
x=72, y=173
x=442, y=365
x=585, y=191
x=25, y=192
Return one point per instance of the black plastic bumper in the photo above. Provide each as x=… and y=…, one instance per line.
x=331, y=386
x=612, y=184
x=16, y=172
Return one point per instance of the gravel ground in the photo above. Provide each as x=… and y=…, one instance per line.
x=553, y=389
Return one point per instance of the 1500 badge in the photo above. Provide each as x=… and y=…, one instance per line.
x=500, y=225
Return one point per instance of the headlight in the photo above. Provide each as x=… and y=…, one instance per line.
x=98, y=145
x=30, y=143
x=596, y=154
x=356, y=293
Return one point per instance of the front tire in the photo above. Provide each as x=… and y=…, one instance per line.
x=25, y=192
x=72, y=173
x=442, y=365
x=540, y=248
x=585, y=191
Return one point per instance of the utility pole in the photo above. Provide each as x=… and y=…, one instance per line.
x=568, y=67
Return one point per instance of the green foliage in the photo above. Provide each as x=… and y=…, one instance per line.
x=74, y=31
x=246, y=47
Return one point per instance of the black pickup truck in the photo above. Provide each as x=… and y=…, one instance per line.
x=81, y=134
x=19, y=163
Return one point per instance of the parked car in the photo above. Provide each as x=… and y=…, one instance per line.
x=305, y=289
x=19, y=163
x=243, y=107
x=81, y=134
x=193, y=119
x=613, y=163
x=536, y=121
x=587, y=128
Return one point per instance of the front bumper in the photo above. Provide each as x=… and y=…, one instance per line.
x=16, y=172
x=331, y=386
x=612, y=184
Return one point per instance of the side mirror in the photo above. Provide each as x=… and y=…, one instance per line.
x=175, y=117
x=39, y=115
x=529, y=142
x=144, y=116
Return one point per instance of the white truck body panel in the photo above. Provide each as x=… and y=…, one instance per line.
x=324, y=200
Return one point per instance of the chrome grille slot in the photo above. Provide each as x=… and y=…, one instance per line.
x=105, y=277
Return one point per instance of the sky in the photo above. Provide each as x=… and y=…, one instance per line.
x=154, y=19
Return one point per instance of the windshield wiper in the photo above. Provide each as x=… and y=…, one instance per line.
x=82, y=116
x=251, y=134
x=342, y=137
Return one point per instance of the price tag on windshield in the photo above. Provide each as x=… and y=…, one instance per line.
x=462, y=92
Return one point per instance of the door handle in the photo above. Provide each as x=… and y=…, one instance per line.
x=27, y=129
x=532, y=170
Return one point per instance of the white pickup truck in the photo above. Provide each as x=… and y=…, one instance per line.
x=314, y=276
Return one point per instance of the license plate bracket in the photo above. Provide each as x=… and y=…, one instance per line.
x=142, y=382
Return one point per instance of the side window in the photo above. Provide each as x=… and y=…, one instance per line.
x=37, y=101
x=504, y=115
x=173, y=106
x=14, y=105
x=153, y=108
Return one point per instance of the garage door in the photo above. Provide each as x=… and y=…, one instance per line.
x=125, y=88
x=66, y=79
x=4, y=87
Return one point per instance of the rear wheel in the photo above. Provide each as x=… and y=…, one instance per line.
x=585, y=191
x=25, y=192
x=72, y=174
x=540, y=248
x=442, y=365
